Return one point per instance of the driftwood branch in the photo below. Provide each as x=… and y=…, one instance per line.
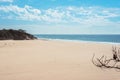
x=104, y=62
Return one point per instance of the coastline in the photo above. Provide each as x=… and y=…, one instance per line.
x=53, y=60
x=112, y=39
x=79, y=41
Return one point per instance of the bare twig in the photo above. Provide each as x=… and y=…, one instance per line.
x=103, y=62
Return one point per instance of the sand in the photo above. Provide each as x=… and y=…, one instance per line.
x=53, y=60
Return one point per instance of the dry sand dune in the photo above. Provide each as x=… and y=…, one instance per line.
x=53, y=60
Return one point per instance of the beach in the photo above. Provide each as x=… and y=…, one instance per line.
x=53, y=60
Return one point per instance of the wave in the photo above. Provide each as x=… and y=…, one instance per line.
x=83, y=41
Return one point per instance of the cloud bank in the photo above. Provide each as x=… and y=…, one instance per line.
x=88, y=16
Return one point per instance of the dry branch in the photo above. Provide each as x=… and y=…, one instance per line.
x=104, y=62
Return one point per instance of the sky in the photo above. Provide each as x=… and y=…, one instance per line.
x=61, y=16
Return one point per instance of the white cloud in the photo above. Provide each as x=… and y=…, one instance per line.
x=6, y=1
x=88, y=16
x=25, y=13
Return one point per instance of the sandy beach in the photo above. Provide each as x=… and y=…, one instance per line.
x=53, y=60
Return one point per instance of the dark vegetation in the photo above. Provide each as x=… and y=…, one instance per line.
x=105, y=62
x=10, y=34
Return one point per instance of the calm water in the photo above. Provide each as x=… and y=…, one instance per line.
x=94, y=38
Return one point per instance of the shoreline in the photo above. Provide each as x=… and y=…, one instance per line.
x=69, y=41
x=62, y=40
x=110, y=39
x=81, y=41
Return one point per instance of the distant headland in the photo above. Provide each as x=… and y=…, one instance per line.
x=10, y=34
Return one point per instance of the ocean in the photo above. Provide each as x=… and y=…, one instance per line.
x=88, y=38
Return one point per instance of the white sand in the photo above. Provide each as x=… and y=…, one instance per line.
x=53, y=60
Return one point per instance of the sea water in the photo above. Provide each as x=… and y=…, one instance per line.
x=92, y=38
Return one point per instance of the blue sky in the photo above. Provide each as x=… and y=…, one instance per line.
x=61, y=16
